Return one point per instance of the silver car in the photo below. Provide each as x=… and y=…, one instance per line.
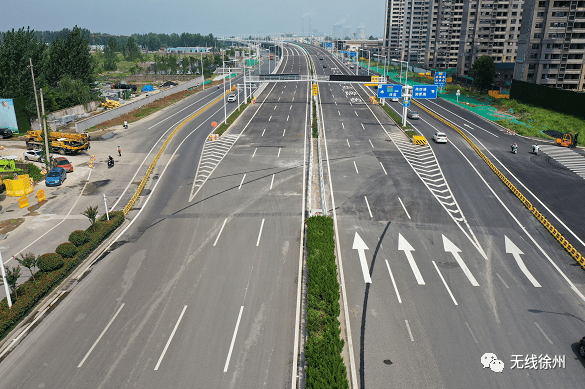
x=412, y=115
x=231, y=98
x=32, y=155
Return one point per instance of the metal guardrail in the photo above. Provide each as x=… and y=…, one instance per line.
x=553, y=231
x=144, y=180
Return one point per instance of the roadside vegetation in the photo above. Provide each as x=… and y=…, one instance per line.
x=232, y=118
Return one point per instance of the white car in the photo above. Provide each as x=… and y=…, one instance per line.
x=32, y=155
x=440, y=137
x=232, y=98
x=394, y=99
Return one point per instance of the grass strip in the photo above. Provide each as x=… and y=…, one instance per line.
x=325, y=366
x=394, y=116
x=232, y=118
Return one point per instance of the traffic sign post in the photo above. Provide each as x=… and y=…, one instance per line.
x=315, y=89
x=390, y=91
x=406, y=103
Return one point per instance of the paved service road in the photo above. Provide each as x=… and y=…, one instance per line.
x=202, y=289
x=458, y=266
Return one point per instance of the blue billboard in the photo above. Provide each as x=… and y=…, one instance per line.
x=424, y=91
x=389, y=91
x=8, y=115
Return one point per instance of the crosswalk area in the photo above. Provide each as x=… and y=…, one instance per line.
x=566, y=157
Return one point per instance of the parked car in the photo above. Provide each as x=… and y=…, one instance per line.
x=5, y=133
x=440, y=137
x=32, y=155
x=64, y=163
x=55, y=176
x=412, y=115
x=231, y=98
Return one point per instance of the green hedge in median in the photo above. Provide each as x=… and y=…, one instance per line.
x=32, y=291
x=325, y=366
x=232, y=118
x=396, y=117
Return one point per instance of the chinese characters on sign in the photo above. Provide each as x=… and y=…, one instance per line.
x=540, y=362
x=390, y=91
x=424, y=91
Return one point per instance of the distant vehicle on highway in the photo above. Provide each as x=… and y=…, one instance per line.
x=394, y=99
x=412, y=115
x=32, y=155
x=321, y=58
x=440, y=137
x=231, y=98
x=351, y=66
x=324, y=65
x=55, y=176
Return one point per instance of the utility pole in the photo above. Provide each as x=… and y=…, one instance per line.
x=35, y=88
x=46, y=135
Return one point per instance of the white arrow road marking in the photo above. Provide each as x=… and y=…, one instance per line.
x=511, y=248
x=450, y=247
x=360, y=246
x=403, y=245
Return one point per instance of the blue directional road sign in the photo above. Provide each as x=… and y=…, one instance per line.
x=440, y=78
x=352, y=54
x=406, y=103
x=424, y=91
x=389, y=91
x=328, y=44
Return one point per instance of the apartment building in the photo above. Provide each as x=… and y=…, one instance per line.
x=444, y=34
x=552, y=44
x=406, y=27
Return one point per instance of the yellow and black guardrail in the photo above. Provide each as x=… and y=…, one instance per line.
x=556, y=234
x=163, y=147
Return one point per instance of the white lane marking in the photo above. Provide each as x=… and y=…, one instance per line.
x=355, y=167
x=393, y=282
x=371, y=143
x=356, y=113
x=279, y=99
x=347, y=142
x=383, y=168
x=511, y=248
x=573, y=287
x=260, y=233
x=278, y=153
x=170, y=338
x=401, y=203
x=287, y=116
x=339, y=113
x=223, y=225
x=409, y=331
x=272, y=182
x=336, y=103
x=451, y=248
x=256, y=149
x=360, y=246
x=403, y=245
x=547, y=338
x=465, y=120
x=101, y=335
x=263, y=132
x=363, y=126
x=465, y=124
x=290, y=106
x=270, y=118
x=227, y=362
x=368, y=204
x=503, y=282
x=283, y=132
x=444, y=283
x=274, y=108
x=343, y=125
x=471, y=332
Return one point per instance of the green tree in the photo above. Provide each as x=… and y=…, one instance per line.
x=29, y=261
x=483, y=72
x=91, y=214
x=371, y=38
x=110, y=55
x=132, y=51
x=15, y=75
x=12, y=276
x=185, y=65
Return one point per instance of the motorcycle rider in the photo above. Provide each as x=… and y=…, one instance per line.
x=110, y=161
x=514, y=147
x=535, y=149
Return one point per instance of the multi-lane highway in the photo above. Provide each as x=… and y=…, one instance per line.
x=458, y=266
x=202, y=288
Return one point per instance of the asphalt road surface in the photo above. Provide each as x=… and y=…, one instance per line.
x=458, y=267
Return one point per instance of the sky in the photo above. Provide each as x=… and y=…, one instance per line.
x=225, y=18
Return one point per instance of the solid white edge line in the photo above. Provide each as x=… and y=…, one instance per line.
x=272, y=181
x=445, y=283
x=227, y=362
x=170, y=338
x=542, y=332
x=383, y=168
x=409, y=331
x=56, y=225
x=352, y=368
x=220, y=231
x=368, y=204
x=101, y=335
x=243, y=178
x=260, y=233
x=356, y=169
x=393, y=282
x=401, y=203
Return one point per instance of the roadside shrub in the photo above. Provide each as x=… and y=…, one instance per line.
x=79, y=237
x=66, y=250
x=34, y=172
x=49, y=262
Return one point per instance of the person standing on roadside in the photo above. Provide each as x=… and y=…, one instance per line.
x=119, y=151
